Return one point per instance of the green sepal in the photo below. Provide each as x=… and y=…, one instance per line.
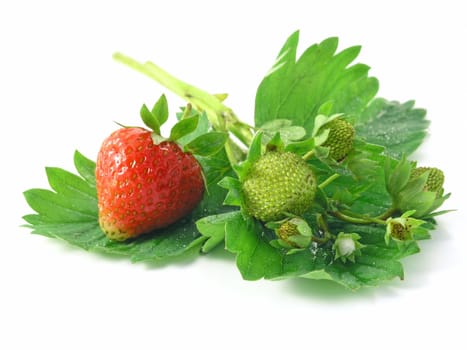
x=397, y=178
x=320, y=121
x=403, y=229
x=255, y=150
x=234, y=195
x=276, y=143
x=161, y=110
x=301, y=147
x=156, y=117
x=302, y=227
x=202, y=127
x=326, y=108
x=213, y=229
x=254, y=153
x=184, y=127
x=414, y=197
x=157, y=138
x=300, y=241
x=292, y=233
x=207, y=144
x=363, y=160
x=150, y=119
x=347, y=246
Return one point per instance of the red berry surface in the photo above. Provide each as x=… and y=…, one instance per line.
x=142, y=186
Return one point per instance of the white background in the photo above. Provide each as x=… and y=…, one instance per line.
x=60, y=91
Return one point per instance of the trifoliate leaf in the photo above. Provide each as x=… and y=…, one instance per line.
x=296, y=89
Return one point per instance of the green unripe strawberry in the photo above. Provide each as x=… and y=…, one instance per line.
x=276, y=184
x=435, y=179
x=340, y=138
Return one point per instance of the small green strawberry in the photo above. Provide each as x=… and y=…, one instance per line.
x=277, y=184
x=340, y=138
x=435, y=179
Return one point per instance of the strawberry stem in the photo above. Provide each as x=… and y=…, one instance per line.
x=220, y=116
x=357, y=219
x=329, y=180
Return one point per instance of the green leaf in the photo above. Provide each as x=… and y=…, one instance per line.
x=86, y=168
x=69, y=213
x=259, y=255
x=284, y=127
x=213, y=228
x=296, y=89
x=254, y=153
x=234, y=196
x=184, y=127
x=207, y=144
x=360, y=161
x=255, y=257
x=56, y=208
x=399, y=127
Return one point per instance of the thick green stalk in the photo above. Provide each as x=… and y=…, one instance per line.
x=220, y=116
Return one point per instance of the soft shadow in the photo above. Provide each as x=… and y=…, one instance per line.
x=217, y=253
x=182, y=260
x=332, y=292
x=185, y=259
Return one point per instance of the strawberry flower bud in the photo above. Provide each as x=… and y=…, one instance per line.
x=402, y=229
x=294, y=233
x=347, y=246
x=419, y=189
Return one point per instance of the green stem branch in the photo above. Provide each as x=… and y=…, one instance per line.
x=388, y=213
x=328, y=180
x=357, y=219
x=309, y=155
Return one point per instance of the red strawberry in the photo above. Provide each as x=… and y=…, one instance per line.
x=142, y=186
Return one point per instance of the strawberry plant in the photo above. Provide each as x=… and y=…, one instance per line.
x=320, y=187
